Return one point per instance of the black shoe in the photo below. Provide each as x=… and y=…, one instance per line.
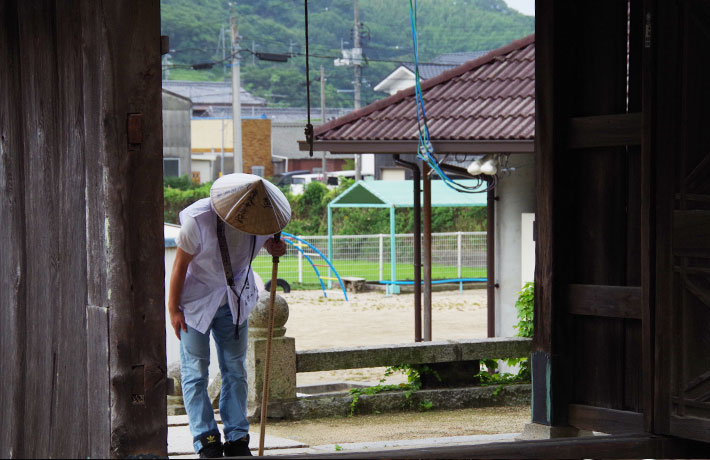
x=211, y=446
x=238, y=448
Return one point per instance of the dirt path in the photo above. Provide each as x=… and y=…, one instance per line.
x=415, y=425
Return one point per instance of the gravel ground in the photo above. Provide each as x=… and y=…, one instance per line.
x=415, y=425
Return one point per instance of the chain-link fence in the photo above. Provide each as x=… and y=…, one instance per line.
x=455, y=256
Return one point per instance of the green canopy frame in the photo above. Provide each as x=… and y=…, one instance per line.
x=393, y=195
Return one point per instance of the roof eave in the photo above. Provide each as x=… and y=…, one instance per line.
x=411, y=146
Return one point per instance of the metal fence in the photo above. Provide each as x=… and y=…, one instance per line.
x=457, y=255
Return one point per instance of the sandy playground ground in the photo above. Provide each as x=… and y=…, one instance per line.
x=373, y=318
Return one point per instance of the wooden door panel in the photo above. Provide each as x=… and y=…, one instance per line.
x=690, y=374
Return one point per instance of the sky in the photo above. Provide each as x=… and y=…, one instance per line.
x=524, y=6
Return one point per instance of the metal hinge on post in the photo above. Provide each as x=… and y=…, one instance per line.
x=134, y=130
x=648, y=31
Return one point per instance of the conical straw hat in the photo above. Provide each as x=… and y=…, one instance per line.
x=250, y=204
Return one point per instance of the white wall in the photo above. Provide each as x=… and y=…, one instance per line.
x=527, y=248
x=516, y=196
x=204, y=167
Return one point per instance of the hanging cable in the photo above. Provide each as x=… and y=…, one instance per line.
x=425, y=149
x=309, y=127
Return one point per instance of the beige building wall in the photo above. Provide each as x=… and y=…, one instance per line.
x=208, y=135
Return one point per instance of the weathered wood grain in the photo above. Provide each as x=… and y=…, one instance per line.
x=130, y=35
x=12, y=245
x=608, y=301
x=605, y=130
x=98, y=378
x=83, y=221
x=605, y=420
x=663, y=89
x=37, y=28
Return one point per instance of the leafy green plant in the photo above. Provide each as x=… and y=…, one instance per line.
x=338, y=447
x=425, y=405
x=177, y=198
x=489, y=374
x=414, y=384
x=524, y=305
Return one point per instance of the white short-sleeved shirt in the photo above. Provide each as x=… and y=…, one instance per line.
x=206, y=287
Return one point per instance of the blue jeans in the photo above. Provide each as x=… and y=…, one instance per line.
x=195, y=360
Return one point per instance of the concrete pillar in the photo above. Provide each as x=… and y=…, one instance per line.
x=282, y=383
x=516, y=195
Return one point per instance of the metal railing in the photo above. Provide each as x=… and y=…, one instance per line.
x=455, y=256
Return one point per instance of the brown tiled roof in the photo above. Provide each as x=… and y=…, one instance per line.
x=489, y=98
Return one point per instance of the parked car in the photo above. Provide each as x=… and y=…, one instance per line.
x=286, y=178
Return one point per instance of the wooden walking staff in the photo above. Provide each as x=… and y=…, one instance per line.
x=269, y=339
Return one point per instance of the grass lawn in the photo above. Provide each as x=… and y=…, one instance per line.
x=288, y=270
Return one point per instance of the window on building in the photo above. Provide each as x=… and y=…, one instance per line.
x=392, y=174
x=257, y=171
x=171, y=167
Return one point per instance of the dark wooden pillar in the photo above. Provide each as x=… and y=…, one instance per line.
x=81, y=303
x=426, y=313
x=588, y=216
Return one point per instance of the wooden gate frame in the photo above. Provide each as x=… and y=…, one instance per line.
x=82, y=321
x=562, y=129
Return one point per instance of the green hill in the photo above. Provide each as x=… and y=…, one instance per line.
x=277, y=26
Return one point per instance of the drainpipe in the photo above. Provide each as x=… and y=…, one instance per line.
x=490, y=259
x=416, y=179
x=279, y=157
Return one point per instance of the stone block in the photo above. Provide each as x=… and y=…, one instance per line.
x=282, y=371
x=176, y=405
x=535, y=431
x=451, y=375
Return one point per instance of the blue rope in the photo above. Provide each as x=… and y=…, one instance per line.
x=425, y=149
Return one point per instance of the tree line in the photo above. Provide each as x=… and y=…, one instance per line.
x=310, y=211
x=277, y=26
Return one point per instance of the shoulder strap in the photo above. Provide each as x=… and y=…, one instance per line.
x=224, y=251
x=227, y=264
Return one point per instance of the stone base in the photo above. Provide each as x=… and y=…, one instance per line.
x=176, y=405
x=536, y=431
x=282, y=369
x=394, y=401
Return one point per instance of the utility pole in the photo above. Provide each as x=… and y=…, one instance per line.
x=236, y=105
x=357, y=50
x=356, y=46
x=322, y=119
x=221, y=44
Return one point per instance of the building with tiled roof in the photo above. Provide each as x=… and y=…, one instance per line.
x=403, y=76
x=210, y=98
x=486, y=105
